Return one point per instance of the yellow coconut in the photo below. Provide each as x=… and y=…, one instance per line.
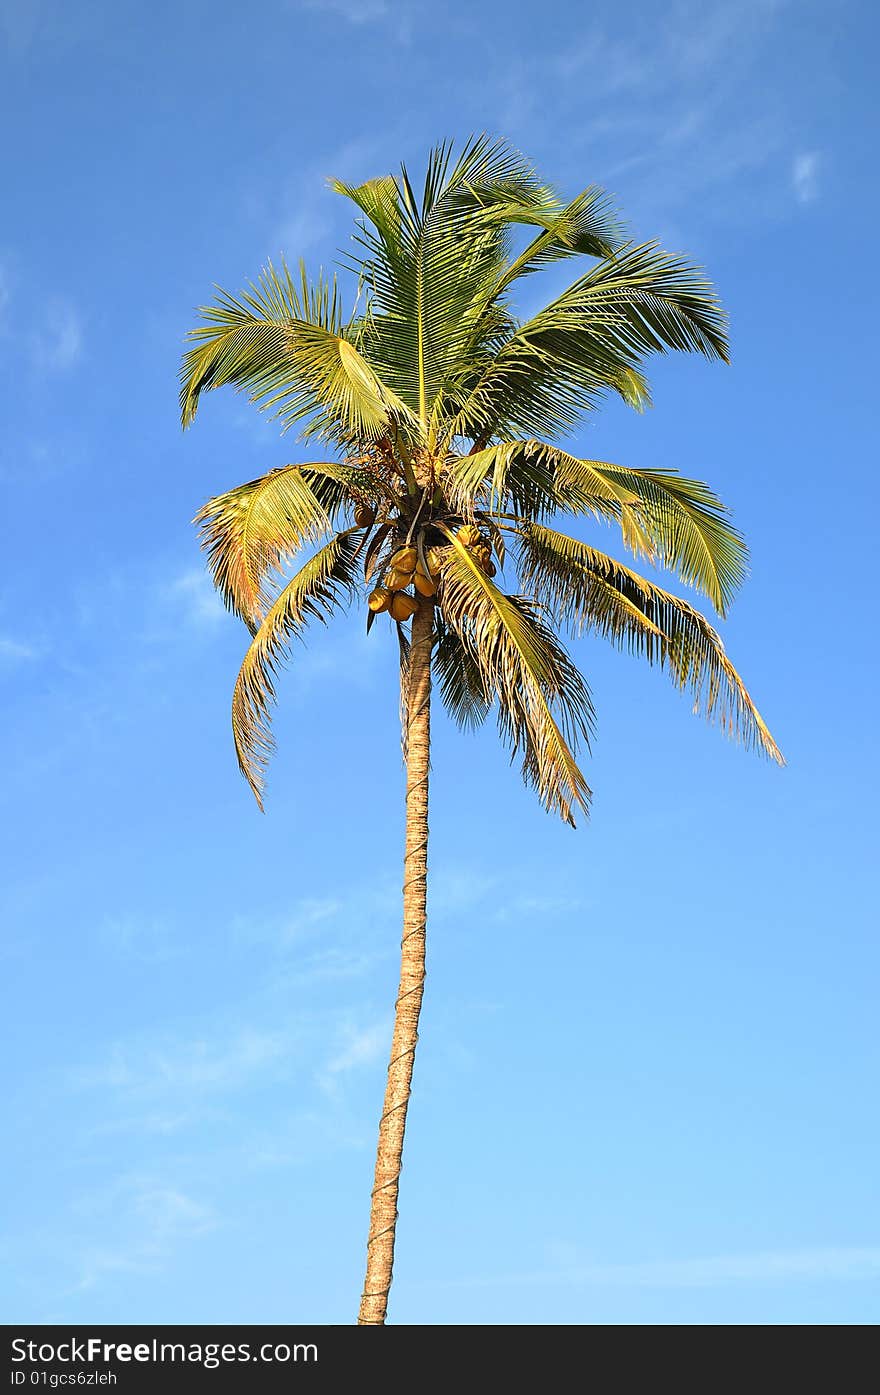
x=424, y=585
x=397, y=580
x=404, y=559
x=364, y=515
x=403, y=606
x=469, y=536
x=380, y=599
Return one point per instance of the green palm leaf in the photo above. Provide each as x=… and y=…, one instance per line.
x=248, y=531
x=316, y=590
x=590, y=591
x=462, y=688
x=544, y=705
x=590, y=340
x=287, y=348
x=675, y=522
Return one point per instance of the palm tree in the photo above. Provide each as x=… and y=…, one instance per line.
x=440, y=409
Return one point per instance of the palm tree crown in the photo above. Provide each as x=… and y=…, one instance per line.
x=440, y=408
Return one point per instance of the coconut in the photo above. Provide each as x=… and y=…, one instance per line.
x=402, y=606
x=424, y=584
x=404, y=559
x=397, y=580
x=364, y=515
x=469, y=536
x=380, y=599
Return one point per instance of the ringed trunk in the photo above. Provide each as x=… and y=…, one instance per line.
x=383, y=1211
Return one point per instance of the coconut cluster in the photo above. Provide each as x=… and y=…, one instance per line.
x=478, y=546
x=407, y=569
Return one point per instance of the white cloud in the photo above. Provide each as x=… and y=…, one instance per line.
x=805, y=176
x=147, y=939
x=144, y=1221
x=56, y=343
x=181, y=1069
x=197, y=597
x=363, y=1048
x=656, y=113
x=15, y=651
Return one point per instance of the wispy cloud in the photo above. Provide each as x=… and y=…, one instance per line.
x=180, y=1069
x=15, y=651
x=56, y=341
x=140, y=1222
x=363, y=1048
x=656, y=113
x=358, y=12
x=144, y=938
x=195, y=597
x=306, y=217
x=769, y=1266
x=805, y=176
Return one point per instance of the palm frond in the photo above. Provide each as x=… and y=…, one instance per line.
x=590, y=591
x=285, y=345
x=248, y=531
x=676, y=522
x=587, y=226
x=316, y=590
x=544, y=706
x=462, y=689
x=528, y=477
x=430, y=264
x=590, y=340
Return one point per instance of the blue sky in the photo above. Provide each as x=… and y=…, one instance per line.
x=646, y=1076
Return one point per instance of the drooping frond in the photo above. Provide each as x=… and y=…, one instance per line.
x=590, y=591
x=544, y=706
x=587, y=226
x=249, y=530
x=590, y=340
x=315, y=591
x=675, y=522
x=526, y=478
x=462, y=688
x=286, y=346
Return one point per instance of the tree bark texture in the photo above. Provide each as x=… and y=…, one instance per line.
x=383, y=1212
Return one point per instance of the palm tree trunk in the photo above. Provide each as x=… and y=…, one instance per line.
x=383, y=1213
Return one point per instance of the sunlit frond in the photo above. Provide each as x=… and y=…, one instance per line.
x=590, y=340
x=432, y=264
x=443, y=407
x=587, y=226
x=316, y=590
x=676, y=522
x=249, y=530
x=590, y=591
x=544, y=705
x=285, y=345
x=527, y=477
